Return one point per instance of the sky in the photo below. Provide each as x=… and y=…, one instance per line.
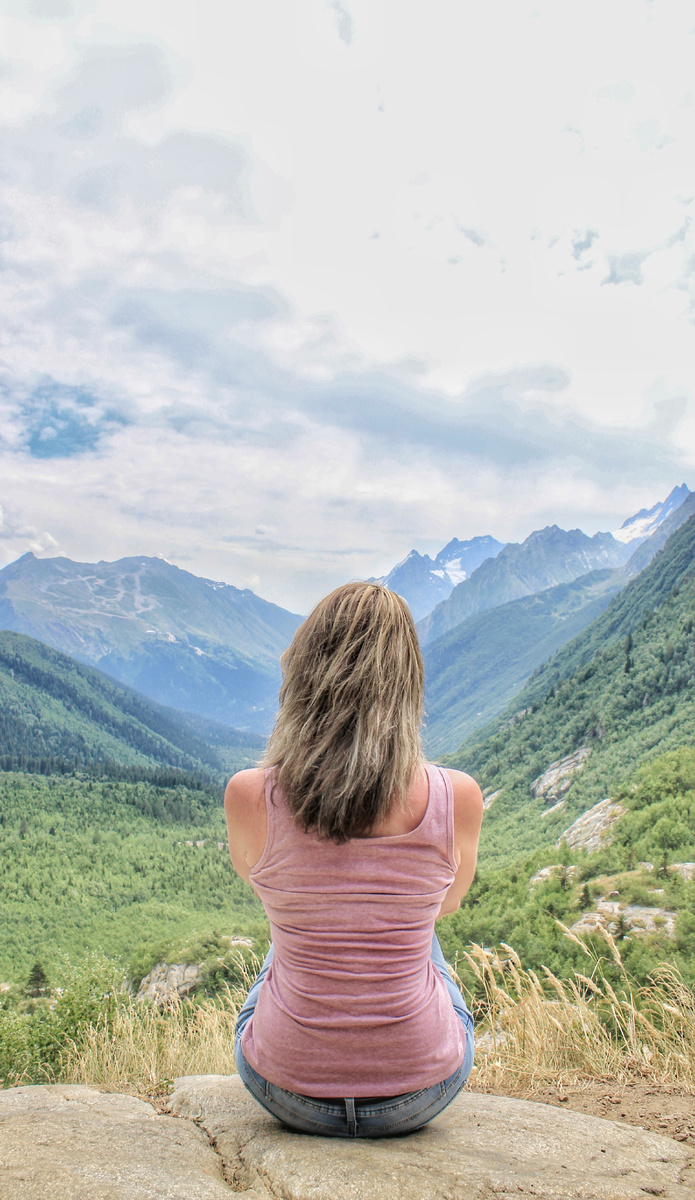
x=290, y=287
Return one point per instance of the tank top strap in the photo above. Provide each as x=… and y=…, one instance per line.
x=438, y=823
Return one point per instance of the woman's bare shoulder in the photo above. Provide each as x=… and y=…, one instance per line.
x=245, y=789
x=468, y=798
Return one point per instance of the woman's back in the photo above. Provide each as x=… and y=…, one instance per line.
x=352, y=995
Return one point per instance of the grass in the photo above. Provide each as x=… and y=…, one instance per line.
x=143, y=1048
x=531, y=1031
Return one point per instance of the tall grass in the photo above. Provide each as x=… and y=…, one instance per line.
x=533, y=1031
x=144, y=1048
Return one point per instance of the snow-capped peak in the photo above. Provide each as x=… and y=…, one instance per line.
x=643, y=523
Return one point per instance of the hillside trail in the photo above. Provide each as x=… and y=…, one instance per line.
x=668, y=1110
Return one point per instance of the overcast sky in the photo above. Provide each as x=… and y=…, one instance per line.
x=288, y=287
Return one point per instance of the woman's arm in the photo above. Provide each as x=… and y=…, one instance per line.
x=468, y=817
x=247, y=821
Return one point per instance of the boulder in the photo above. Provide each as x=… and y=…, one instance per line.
x=167, y=981
x=593, y=829
x=556, y=780
x=64, y=1142
x=637, y=919
x=482, y=1147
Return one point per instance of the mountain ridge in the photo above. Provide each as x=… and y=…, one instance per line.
x=546, y=558
x=59, y=714
x=185, y=641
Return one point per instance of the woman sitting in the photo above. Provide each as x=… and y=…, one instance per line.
x=354, y=1026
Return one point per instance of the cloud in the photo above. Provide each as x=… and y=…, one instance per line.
x=581, y=242
x=165, y=392
x=626, y=268
x=345, y=23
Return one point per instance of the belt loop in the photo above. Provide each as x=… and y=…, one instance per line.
x=351, y=1118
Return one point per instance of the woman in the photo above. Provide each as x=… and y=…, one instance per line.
x=354, y=1027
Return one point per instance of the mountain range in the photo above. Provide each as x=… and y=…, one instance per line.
x=547, y=557
x=111, y=833
x=213, y=650
x=475, y=669
x=424, y=581
x=186, y=642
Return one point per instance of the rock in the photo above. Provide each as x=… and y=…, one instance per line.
x=167, y=980
x=554, y=808
x=546, y=873
x=75, y=1143
x=480, y=1148
x=556, y=780
x=685, y=870
x=592, y=830
x=638, y=919
x=489, y=800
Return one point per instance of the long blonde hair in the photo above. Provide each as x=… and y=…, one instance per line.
x=346, y=743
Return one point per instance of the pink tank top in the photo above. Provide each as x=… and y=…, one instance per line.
x=352, y=1005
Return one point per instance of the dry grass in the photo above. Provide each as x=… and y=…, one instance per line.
x=537, y=1032
x=143, y=1048
x=531, y=1032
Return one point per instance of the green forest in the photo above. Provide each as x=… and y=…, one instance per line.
x=112, y=866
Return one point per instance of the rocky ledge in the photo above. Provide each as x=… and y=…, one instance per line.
x=77, y=1143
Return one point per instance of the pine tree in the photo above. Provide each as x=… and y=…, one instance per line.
x=37, y=983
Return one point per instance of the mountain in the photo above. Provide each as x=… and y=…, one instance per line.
x=647, y=520
x=472, y=671
x=187, y=642
x=424, y=581
x=545, y=559
x=57, y=714
x=615, y=696
x=646, y=549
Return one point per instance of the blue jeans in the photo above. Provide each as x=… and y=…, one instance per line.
x=385, y=1117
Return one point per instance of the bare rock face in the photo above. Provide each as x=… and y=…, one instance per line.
x=592, y=830
x=75, y=1143
x=637, y=919
x=556, y=780
x=490, y=797
x=480, y=1148
x=168, y=980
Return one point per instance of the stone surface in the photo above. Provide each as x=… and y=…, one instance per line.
x=592, y=830
x=639, y=920
x=167, y=980
x=685, y=870
x=547, y=873
x=556, y=780
x=65, y=1142
x=489, y=799
x=482, y=1147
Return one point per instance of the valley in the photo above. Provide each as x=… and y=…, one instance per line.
x=111, y=827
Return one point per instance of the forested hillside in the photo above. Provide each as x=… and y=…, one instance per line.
x=56, y=714
x=100, y=864
x=520, y=903
x=624, y=688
